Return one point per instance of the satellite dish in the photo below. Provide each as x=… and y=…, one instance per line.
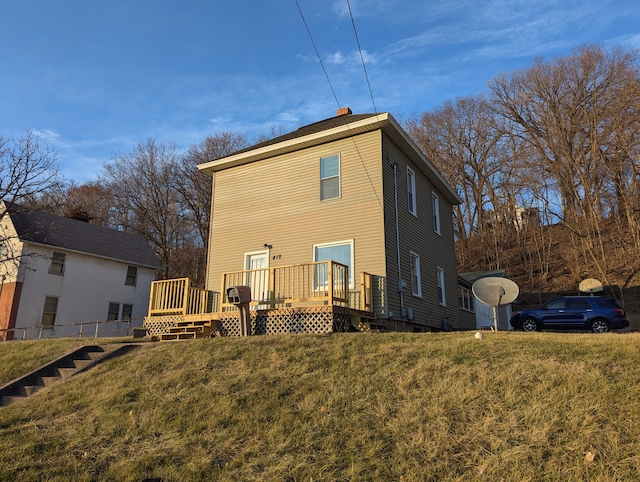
x=590, y=285
x=495, y=292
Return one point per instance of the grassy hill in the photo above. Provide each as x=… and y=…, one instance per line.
x=357, y=406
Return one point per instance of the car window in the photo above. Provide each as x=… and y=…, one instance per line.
x=578, y=304
x=556, y=304
x=606, y=303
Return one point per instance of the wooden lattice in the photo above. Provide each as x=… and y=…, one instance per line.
x=321, y=319
x=157, y=325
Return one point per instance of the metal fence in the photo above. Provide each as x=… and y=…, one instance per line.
x=85, y=329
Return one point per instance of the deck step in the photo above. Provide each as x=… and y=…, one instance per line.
x=189, y=330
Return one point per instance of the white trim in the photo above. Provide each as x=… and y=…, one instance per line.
x=435, y=204
x=415, y=292
x=349, y=242
x=442, y=296
x=339, y=176
x=412, y=201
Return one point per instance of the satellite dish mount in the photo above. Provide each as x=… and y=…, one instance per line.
x=494, y=291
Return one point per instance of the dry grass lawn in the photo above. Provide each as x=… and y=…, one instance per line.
x=388, y=407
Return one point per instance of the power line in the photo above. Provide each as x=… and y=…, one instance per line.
x=366, y=75
x=317, y=53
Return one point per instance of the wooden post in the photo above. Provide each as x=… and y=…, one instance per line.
x=272, y=288
x=330, y=281
x=185, y=301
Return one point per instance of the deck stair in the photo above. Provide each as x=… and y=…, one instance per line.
x=71, y=364
x=190, y=329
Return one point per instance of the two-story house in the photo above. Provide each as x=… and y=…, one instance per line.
x=56, y=273
x=354, y=189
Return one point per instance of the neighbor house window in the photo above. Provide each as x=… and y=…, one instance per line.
x=436, y=212
x=441, y=295
x=49, y=311
x=114, y=311
x=466, y=299
x=329, y=177
x=132, y=275
x=416, y=287
x=411, y=191
x=340, y=251
x=127, y=312
x=57, y=264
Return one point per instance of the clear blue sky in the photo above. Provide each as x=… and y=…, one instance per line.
x=92, y=78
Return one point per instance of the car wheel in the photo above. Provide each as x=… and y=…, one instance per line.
x=599, y=326
x=530, y=324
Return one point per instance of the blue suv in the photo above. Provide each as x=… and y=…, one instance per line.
x=573, y=313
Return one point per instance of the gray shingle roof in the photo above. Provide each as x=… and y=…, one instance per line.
x=69, y=234
x=319, y=126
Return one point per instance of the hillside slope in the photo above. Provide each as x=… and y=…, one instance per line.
x=358, y=406
x=550, y=261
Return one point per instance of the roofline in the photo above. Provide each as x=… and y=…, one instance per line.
x=383, y=121
x=60, y=248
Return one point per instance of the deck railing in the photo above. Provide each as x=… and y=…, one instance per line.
x=177, y=297
x=321, y=283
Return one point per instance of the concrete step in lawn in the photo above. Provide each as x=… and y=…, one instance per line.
x=73, y=363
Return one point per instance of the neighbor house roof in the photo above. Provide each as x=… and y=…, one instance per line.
x=335, y=128
x=474, y=276
x=47, y=229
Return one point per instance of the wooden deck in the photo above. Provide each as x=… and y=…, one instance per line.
x=317, y=296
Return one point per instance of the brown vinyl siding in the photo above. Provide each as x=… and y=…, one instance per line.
x=276, y=201
x=417, y=235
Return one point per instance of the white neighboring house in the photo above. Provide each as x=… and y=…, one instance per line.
x=56, y=273
x=484, y=312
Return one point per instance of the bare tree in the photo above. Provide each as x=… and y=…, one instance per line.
x=145, y=201
x=27, y=170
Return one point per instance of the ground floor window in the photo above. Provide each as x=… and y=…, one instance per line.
x=119, y=311
x=466, y=299
x=441, y=294
x=49, y=311
x=339, y=251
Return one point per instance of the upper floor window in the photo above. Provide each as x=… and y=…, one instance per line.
x=329, y=177
x=441, y=295
x=49, y=312
x=436, y=212
x=57, y=263
x=416, y=286
x=132, y=275
x=411, y=191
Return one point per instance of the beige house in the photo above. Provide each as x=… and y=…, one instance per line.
x=353, y=189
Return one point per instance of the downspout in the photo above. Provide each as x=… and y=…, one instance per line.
x=400, y=280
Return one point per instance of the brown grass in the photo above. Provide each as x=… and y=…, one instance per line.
x=512, y=406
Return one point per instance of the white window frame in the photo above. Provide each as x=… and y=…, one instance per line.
x=49, y=312
x=442, y=298
x=350, y=243
x=110, y=312
x=416, y=282
x=129, y=276
x=58, y=259
x=435, y=203
x=466, y=299
x=411, y=192
x=327, y=178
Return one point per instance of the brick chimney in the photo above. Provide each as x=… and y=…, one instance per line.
x=343, y=111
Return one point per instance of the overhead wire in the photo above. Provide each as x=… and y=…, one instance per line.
x=334, y=92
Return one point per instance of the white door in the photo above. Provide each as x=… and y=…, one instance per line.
x=258, y=280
